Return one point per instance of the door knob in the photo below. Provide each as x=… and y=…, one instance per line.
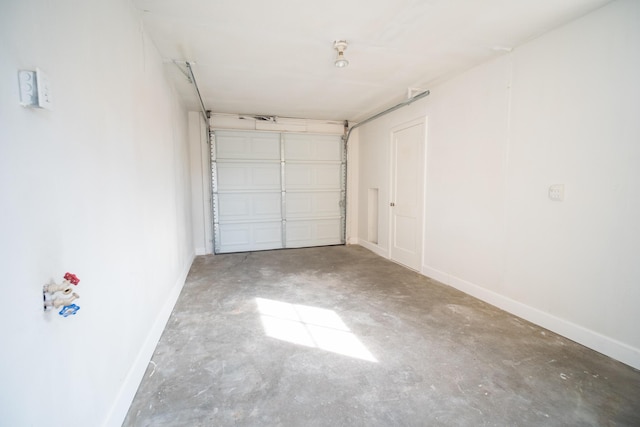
x=392, y=204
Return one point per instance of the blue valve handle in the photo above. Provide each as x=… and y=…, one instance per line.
x=68, y=310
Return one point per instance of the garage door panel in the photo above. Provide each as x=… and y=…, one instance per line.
x=248, y=176
x=313, y=147
x=243, y=145
x=252, y=203
x=268, y=234
x=313, y=232
x=242, y=237
x=313, y=205
x=249, y=206
x=310, y=176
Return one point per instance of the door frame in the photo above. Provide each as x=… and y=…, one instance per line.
x=421, y=190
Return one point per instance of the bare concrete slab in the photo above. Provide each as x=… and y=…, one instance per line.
x=337, y=336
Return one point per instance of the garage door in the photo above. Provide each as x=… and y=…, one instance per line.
x=277, y=190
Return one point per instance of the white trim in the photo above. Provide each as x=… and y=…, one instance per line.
x=594, y=340
x=131, y=383
x=379, y=250
x=205, y=168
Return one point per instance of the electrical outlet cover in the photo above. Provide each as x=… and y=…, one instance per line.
x=28, y=85
x=556, y=192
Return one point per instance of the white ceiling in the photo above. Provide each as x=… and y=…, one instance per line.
x=276, y=57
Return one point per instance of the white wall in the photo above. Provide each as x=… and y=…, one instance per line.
x=575, y=106
x=98, y=187
x=561, y=109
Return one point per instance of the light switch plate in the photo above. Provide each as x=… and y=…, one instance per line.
x=44, y=90
x=34, y=88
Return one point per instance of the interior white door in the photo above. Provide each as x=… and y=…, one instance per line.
x=407, y=148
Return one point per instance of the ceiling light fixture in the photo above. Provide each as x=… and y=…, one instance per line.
x=340, y=46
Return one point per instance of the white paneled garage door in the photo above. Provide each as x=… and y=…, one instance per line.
x=277, y=190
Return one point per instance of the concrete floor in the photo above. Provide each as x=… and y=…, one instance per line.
x=380, y=346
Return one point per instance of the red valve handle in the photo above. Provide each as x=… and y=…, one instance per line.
x=72, y=278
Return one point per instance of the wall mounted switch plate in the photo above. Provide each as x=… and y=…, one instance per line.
x=35, y=91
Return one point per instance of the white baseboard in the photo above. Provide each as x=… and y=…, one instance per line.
x=201, y=251
x=131, y=383
x=374, y=248
x=595, y=341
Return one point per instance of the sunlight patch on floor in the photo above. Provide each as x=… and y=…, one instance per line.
x=310, y=326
